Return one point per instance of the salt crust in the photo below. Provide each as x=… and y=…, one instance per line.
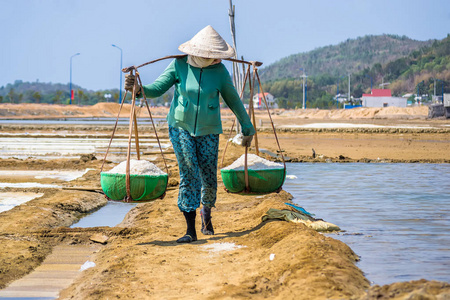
x=137, y=167
x=254, y=162
x=218, y=247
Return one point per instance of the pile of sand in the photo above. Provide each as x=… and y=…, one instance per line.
x=419, y=112
x=103, y=109
x=45, y=111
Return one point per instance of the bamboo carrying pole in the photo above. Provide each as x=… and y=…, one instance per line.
x=128, y=69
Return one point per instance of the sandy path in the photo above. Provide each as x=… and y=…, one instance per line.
x=148, y=263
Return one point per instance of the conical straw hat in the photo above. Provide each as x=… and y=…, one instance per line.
x=209, y=44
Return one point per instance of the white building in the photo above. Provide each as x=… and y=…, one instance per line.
x=446, y=100
x=258, y=101
x=382, y=98
x=384, y=101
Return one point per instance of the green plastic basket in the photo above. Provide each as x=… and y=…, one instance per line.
x=142, y=187
x=260, y=181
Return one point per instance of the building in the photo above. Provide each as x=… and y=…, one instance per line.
x=382, y=98
x=258, y=101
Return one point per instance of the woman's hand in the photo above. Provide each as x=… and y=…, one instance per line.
x=129, y=82
x=247, y=140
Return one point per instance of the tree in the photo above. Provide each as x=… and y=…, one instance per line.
x=11, y=95
x=57, y=98
x=37, y=97
x=81, y=96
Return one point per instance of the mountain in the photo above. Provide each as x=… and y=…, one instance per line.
x=350, y=56
x=403, y=65
x=418, y=70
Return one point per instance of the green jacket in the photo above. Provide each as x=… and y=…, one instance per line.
x=195, y=106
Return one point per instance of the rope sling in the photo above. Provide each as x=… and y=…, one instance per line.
x=251, y=112
x=133, y=124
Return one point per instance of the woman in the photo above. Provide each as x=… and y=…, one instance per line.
x=194, y=121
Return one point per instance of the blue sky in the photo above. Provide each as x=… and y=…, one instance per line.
x=38, y=37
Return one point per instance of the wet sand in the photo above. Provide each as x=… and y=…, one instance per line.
x=141, y=260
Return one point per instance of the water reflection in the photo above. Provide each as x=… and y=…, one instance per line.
x=109, y=215
x=401, y=212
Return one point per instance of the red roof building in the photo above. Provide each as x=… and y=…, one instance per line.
x=379, y=93
x=382, y=98
x=258, y=100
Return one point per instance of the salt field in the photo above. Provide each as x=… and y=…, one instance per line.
x=8, y=200
x=57, y=147
x=63, y=175
x=351, y=125
x=396, y=217
x=80, y=121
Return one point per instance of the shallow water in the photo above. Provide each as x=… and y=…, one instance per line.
x=24, y=185
x=109, y=215
x=8, y=200
x=82, y=121
x=50, y=147
x=64, y=175
x=396, y=217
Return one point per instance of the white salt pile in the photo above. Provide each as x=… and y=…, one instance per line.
x=137, y=167
x=254, y=162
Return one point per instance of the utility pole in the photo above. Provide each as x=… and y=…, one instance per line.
x=305, y=89
x=71, y=91
x=383, y=84
x=237, y=80
x=348, y=87
x=120, y=73
x=434, y=87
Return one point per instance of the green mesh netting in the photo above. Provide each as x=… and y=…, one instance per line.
x=142, y=187
x=260, y=181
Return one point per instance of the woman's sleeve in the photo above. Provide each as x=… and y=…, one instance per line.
x=232, y=99
x=162, y=83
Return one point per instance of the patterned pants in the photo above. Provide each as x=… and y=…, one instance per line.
x=197, y=162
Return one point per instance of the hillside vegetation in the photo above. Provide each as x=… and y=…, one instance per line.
x=405, y=74
x=54, y=93
x=417, y=70
x=350, y=56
